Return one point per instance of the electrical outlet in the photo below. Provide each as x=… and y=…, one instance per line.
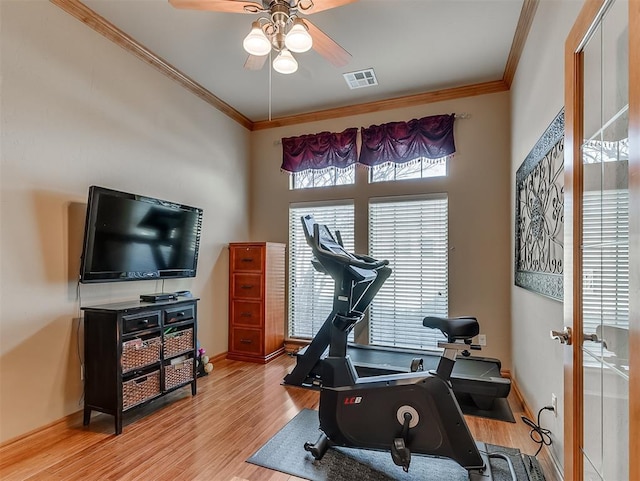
x=554, y=404
x=482, y=339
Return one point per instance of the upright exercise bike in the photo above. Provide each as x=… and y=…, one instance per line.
x=404, y=413
x=477, y=378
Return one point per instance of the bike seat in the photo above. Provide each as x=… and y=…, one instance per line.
x=455, y=328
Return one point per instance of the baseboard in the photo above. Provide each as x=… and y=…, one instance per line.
x=218, y=357
x=294, y=345
x=75, y=418
x=527, y=411
x=70, y=420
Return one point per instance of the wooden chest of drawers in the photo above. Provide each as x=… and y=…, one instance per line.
x=256, y=301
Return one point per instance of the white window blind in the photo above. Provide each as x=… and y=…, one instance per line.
x=311, y=292
x=606, y=259
x=413, y=235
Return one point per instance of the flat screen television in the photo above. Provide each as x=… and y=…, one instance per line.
x=130, y=237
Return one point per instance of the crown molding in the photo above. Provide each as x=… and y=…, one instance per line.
x=395, y=103
x=527, y=14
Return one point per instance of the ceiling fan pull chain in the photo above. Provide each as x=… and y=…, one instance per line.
x=270, y=88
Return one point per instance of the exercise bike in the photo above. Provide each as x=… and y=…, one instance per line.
x=403, y=413
x=475, y=378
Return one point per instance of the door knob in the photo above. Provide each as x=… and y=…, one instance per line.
x=563, y=336
x=594, y=338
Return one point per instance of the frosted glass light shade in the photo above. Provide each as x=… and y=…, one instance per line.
x=298, y=39
x=285, y=63
x=256, y=42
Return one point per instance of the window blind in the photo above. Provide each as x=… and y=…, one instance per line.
x=311, y=292
x=606, y=259
x=413, y=235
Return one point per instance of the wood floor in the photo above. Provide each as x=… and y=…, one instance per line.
x=239, y=406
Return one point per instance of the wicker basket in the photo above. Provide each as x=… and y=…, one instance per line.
x=178, y=342
x=138, y=353
x=140, y=389
x=176, y=374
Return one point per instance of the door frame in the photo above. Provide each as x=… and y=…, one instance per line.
x=589, y=15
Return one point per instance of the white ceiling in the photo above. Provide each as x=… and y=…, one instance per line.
x=414, y=46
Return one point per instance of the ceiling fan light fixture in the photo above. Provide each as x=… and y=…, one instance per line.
x=285, y=63
x=298, y=39
x=256, y=42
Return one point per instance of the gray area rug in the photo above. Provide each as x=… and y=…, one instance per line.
x=285, y=452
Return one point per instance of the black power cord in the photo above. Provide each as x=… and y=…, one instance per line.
x=538, y=434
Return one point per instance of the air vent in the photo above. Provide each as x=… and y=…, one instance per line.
x=361, y=78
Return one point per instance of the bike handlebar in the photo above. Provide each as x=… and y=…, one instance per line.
x=345, y=259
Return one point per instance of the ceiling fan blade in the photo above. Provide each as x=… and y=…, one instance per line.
x=229, y=6
x=320, y=5
x=254, y=62
x=327, y=47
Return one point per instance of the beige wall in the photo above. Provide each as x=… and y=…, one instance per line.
x=478, y=190
x=537, y=95
x=78, y=110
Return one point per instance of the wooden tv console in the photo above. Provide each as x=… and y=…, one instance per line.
x=135, y=352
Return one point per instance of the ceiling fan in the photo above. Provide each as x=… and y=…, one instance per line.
x=279, y=28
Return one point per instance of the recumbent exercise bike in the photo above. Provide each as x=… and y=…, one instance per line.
x=404, y=413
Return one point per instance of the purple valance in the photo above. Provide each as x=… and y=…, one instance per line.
x=319, y=151
x=399, y=142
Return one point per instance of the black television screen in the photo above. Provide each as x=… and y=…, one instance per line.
x=130, y=237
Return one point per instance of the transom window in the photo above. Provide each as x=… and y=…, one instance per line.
x=417, y=169
x=329, y=177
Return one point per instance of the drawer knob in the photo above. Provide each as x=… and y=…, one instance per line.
x=246, y=341
x=247, y=259
x=247, y=286
x=245, y=314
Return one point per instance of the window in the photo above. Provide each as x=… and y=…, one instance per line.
x=417, y=169
x=311, y=292
x=412, y=234
x=329, y=177
x=606, y=248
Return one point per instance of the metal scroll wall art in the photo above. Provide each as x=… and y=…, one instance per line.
x=540, y=215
